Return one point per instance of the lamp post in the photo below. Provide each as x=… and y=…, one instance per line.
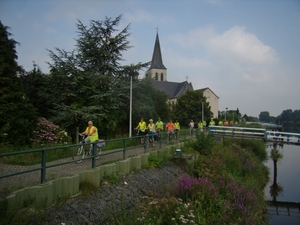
x=130, y=113
x=202, y=112
x=225, y=113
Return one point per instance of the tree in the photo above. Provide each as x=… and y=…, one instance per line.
x=149, y=102
x=189, y=106
x=34, y=85
x=264, y=117
x=90, y=83
x=17, y=116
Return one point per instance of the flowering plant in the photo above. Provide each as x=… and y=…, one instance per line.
x=47, y=132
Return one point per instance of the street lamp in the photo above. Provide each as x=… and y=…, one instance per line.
x=202, y=112
x=225, y=113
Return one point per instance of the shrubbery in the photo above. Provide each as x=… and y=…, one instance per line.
x=47, y=132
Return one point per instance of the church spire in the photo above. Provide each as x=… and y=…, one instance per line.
x=157, y=62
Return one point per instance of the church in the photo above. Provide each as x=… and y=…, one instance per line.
x=173, y=90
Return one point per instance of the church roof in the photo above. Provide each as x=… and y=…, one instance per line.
x=173, y=89
x=157, y=62
x=207, y=88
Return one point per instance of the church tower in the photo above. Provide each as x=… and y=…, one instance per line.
x=157, y=70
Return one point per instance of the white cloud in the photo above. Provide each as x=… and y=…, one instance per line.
x=242, y=46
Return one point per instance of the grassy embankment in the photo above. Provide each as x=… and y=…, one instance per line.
x=223, y=186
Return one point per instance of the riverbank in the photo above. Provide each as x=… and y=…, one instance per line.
x=223, y=186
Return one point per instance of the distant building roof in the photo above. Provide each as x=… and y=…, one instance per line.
x=157, y=62
x=173, y=89
x=204, y=89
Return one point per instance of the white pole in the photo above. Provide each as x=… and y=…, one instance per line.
x=130, y=113
x=202, y=113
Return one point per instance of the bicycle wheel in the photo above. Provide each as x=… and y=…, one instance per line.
x=168, y=139
x=98, y=153
x=78, y=154
x=146, y=142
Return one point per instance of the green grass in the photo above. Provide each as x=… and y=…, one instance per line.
x=224, y=186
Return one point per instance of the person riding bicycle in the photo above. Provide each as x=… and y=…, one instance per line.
x=159, y=125
x=177, y=128
x=170, y=127
x=152, y=129
x=91, y=132
x=191, y=125
x=142, y=126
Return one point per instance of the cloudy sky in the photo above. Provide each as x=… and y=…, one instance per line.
x=246, y=51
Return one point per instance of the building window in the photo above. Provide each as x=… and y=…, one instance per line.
x=156, y=76
x=161, y=76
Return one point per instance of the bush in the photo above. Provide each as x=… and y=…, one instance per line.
x=203, y=144
x=49, y=133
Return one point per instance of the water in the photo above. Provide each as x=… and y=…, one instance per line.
x=288, y=178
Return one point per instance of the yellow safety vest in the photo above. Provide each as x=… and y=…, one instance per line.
x=142, y=126
x=94, y=136
x=177, y=126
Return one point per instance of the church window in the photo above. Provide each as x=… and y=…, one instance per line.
x=161, y=76
x=156, y=76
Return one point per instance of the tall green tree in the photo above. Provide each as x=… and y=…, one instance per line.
x=149, y=102
x=264, y=117
x=34, y=85
x=189, y=106
x=17, y=116
x=89, y=83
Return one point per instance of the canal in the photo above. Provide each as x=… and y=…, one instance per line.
x=285, y=187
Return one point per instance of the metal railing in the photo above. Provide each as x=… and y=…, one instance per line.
x=123, y=146
x=255, y=133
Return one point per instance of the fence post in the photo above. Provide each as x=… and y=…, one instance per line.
x=93, y=154
x=43, y=164
x=124, y=148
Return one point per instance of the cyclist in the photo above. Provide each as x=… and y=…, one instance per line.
x=142, y=126
x=91, y=132
x=200, y=126
x=159, y=127
x=152, y=129
x=170, y=127
x=177, y=128
x=191, y=125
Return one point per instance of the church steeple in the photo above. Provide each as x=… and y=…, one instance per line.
x=157, y=69
x=157, y=62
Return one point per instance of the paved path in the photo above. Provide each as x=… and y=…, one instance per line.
x=9, y=184
x=12, y=183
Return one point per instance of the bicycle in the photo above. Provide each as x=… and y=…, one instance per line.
x=176, y=134
x=146, y=138
x=79, y=152
x=170, y=136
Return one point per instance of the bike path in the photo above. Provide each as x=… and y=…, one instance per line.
x=12, y=183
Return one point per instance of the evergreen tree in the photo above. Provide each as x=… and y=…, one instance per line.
x=17, y=116
x=34, y=85
x=89, y=83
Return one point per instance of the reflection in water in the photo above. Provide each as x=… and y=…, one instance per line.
x=275, y=188
x=281, y=212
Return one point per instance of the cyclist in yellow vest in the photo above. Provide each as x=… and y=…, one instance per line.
x=159, y=125
x=177, y=128
x=152, y=131
x=91, y=132
x=200, y=126
x=142, y=126
x=212, y=122
x=220, y=123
